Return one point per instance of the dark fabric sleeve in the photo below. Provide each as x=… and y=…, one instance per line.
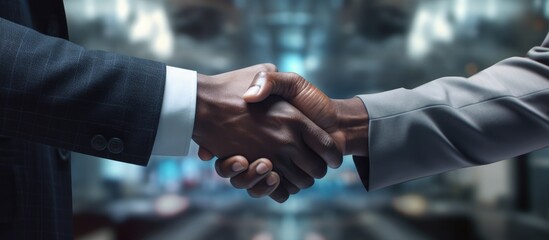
x=455, y=122
x=57, y=93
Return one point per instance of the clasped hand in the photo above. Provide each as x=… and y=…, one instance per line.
x=256, y=120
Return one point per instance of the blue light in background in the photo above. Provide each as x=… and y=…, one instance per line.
x=119, y=171
x=293, y=38
x=168, y=172
x=292, y=62
x=191, y=168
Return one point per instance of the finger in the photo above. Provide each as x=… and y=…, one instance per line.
x=290, y=187
x=280, y=194
x=230, y=167
x=294, y=175
x=204, y=154
x=310, y=162
x=266, y=186
x=321, y=143
x=256, y=172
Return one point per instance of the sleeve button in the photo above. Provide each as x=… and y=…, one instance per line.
x=116, y=145
x=99, y=142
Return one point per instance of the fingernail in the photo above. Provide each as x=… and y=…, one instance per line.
x=237, y=167
x=262, y=168
x=252, y=91
x=271, y=180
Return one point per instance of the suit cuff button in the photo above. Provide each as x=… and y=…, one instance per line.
x=116, y=145
x=99, y=142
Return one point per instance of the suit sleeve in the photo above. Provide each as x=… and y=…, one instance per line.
x=455, y=122
x=57, y=93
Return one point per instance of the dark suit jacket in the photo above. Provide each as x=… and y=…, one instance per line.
x=55, y=95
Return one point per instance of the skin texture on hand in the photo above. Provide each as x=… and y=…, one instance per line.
x=346, y=120
x=226, y=125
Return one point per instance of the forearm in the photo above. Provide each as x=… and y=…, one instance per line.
x=57, y=93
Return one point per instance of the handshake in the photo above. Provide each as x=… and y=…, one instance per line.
x=274, y=132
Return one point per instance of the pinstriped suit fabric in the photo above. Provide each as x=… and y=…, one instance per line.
x=57, y=95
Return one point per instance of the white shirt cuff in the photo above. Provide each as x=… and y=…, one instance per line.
x=175, y=127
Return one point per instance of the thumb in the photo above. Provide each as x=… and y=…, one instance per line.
x=285, y=85
x=296, y=90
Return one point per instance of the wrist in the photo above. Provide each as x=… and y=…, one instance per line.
x=353, y=122
x=203, y=105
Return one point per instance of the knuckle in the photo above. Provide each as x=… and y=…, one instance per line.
x=287, y=143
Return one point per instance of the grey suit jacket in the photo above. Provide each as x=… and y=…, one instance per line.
x=456, y=122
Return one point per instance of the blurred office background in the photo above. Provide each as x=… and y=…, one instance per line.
x=345, y=47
